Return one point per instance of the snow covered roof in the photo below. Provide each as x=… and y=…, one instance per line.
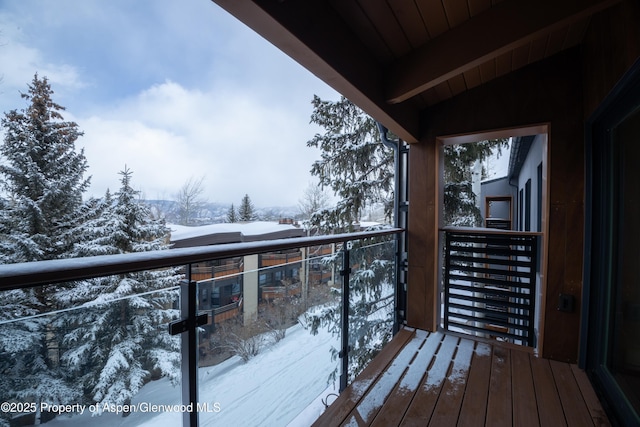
x=214, y=234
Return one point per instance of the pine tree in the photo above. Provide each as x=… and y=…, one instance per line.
x=459, y=199
x=113, y=345
x=354, y=164
x=42, y=177
x=231, y=214
x=370, y=303
x=246, y=211
x=360, y=171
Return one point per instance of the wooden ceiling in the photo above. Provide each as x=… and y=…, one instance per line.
x=394, y=58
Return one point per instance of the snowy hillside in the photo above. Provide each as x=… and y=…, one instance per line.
x=272, y=389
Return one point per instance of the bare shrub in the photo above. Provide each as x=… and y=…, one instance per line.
x=241, y=340
x=280, y=314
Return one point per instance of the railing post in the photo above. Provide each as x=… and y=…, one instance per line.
x=344, y=351
x=187, y=326
x=533, y=293
x=447, y=270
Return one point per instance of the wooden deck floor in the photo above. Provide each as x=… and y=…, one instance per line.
x=440, y=379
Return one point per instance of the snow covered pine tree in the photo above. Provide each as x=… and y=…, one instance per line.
x=246, y=211
x=119, y=341
x=353, y=163
x=62, y=359
x=360, y=171
x=42, y=177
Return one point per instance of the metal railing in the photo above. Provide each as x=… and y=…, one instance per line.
x=29, y=275
x=490, y=283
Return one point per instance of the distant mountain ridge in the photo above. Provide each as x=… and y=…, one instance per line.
x=214, y=213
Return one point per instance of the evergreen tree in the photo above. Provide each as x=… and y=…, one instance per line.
x=231, y=215
x=360, y=171
x=42, y=176
x=460, y=207
x=353, y=163
x=113, y=345
x=370, y=303
x=246, y=211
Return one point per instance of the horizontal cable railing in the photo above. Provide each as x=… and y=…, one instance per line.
x=490, y=283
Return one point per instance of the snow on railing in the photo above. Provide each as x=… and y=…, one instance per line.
x=31, y=275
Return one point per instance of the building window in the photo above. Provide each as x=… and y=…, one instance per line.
x=539, y=189
x=521, y=210
x=263, y=279
x=527, y=210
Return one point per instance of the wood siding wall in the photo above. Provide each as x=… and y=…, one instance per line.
x=611, y=46
x=546, y=92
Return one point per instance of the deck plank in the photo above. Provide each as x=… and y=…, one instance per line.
x=375, y=397
x=474, y=404
x=395, y=407
x=448, y=406
x=575, y=410
x=425, y=399
x=499, y=407
x=443, y=379
x=549, y=406
x=590, y=398
x=352, y=395
x=525, y=409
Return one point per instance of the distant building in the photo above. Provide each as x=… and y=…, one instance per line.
x=232, y=286
x=515, y=201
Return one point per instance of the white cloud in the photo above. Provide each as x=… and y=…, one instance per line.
x=167, y=134
x=20, y=62
x=172, y=91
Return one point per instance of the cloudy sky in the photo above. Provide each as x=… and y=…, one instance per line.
x=171, y=89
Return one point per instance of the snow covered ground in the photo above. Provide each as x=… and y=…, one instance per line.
x=281, y=386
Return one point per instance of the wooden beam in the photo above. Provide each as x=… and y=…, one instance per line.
x=313, y=34
x=508, y=25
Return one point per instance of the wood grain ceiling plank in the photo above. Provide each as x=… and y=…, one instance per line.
x=382, y=18
x=472, y=77
x=430, y=96
x=457, y=85
x=457, y=12
x=538, y=48
x=364, y=29
x=488, y=71
x=556, y=41
x=433, y=15
x=420, y=102
x=476, y=7
x=504, y=64
x=408, y=16
x=443, y=91
x=316, y=36
x=576, y=33
x=520, y=56
x=510, y=24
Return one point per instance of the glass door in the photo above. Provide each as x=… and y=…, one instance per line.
x=613, y=257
